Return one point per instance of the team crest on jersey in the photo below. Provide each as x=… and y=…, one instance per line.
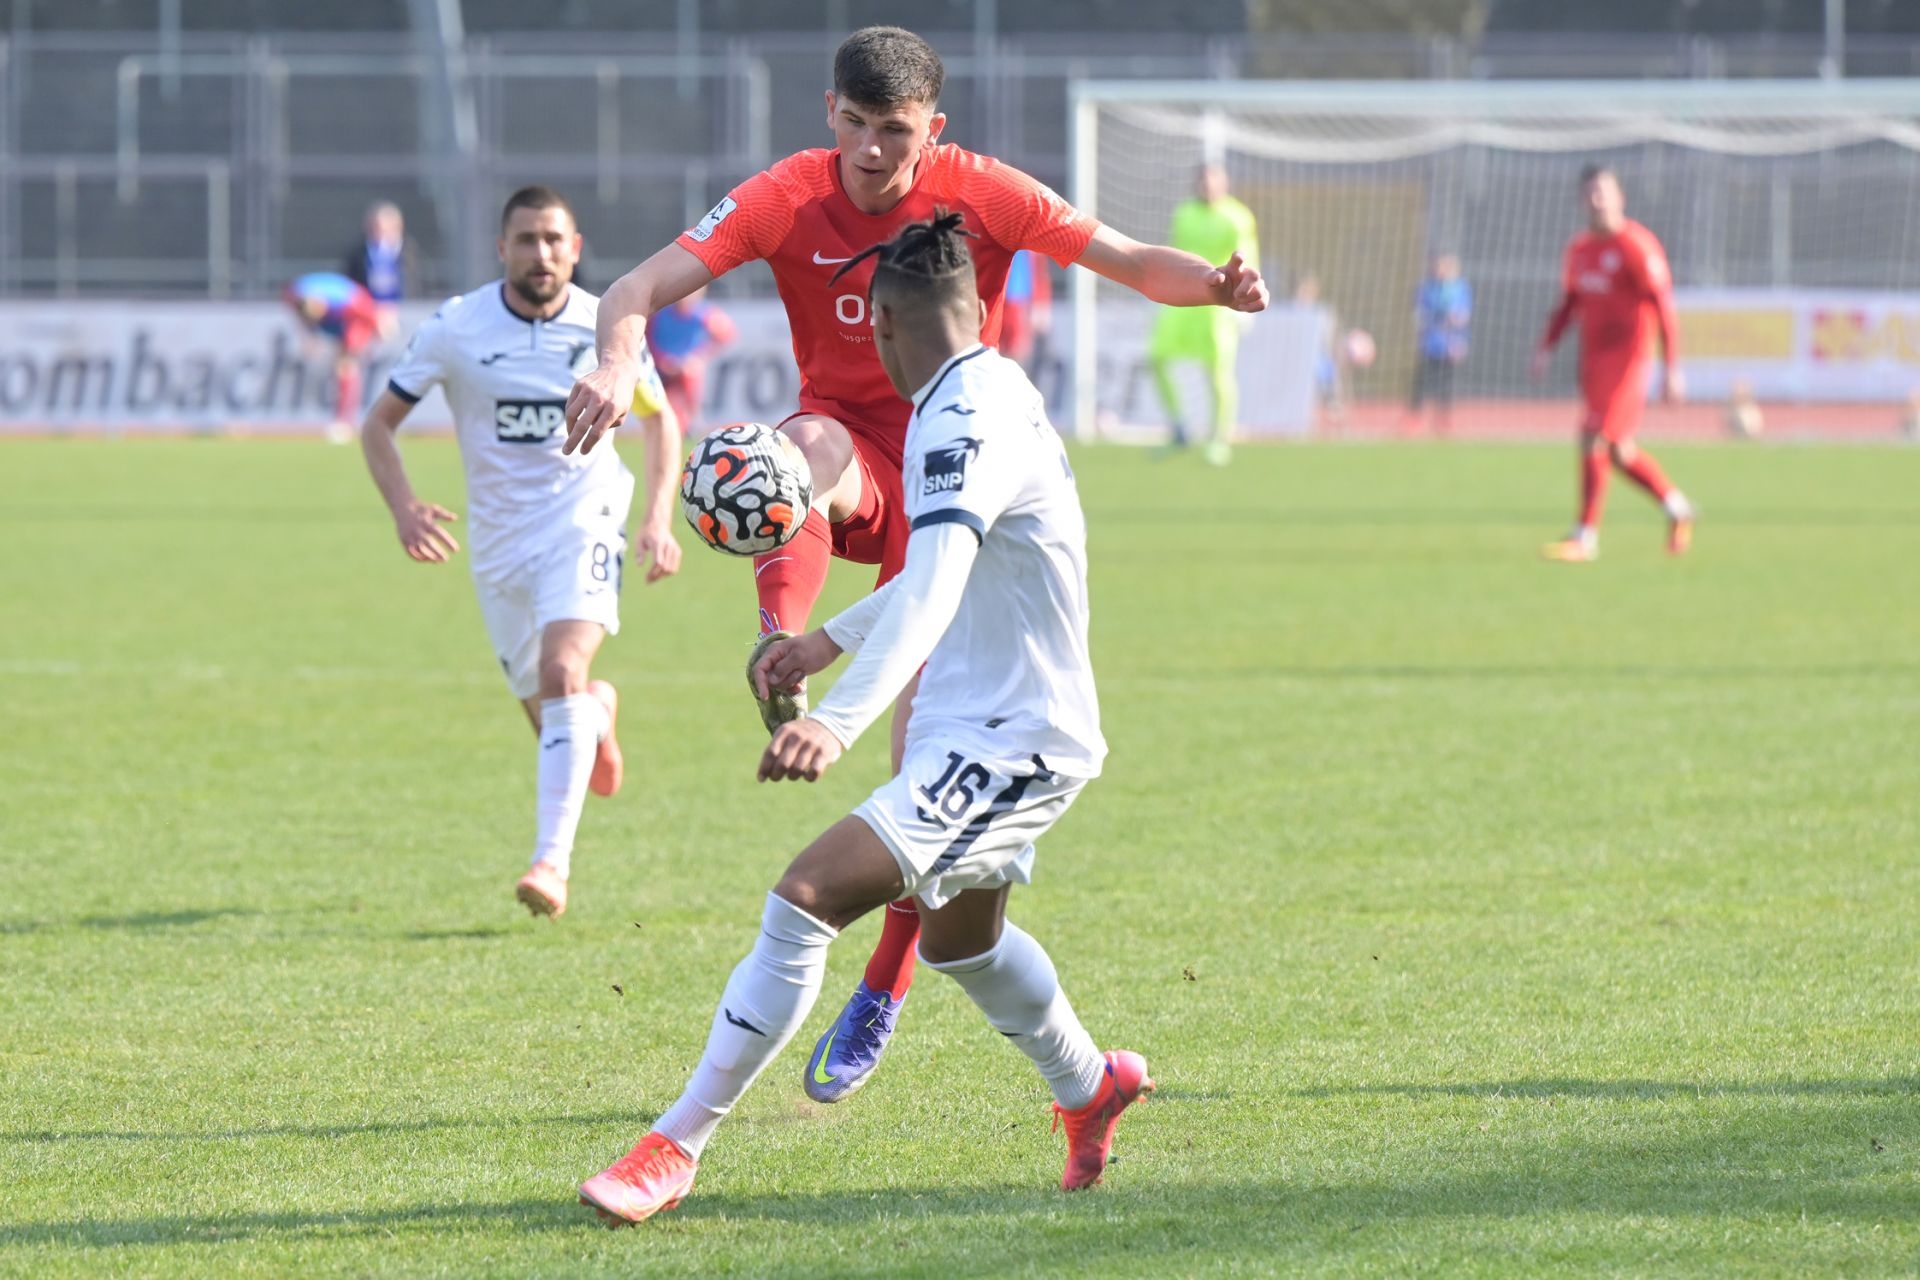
x=946, y=467
x=580, y=359
x=528, y=421
x=715, y=216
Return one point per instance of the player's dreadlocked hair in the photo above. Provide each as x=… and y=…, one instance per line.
x=927, y=259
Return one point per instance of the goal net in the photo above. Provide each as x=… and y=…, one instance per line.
x=1790, y=212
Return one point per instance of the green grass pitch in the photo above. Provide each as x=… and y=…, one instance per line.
x=1479, y=916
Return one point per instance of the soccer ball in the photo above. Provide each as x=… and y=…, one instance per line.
x=746, y=490
x=1359, y=349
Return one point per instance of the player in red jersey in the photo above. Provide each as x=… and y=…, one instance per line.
x=1619, y=288
x=806, y=216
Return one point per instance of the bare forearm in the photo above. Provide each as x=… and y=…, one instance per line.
x=383, y=462
x=621, y=330
x=1557, y=324
x=1176, y=278
x=661, y=470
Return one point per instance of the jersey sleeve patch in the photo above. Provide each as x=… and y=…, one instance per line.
x=944, y=469
x=703, y=230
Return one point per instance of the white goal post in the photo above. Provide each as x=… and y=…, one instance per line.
x=1805, y=193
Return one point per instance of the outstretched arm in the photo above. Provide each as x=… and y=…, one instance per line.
x=416, y=522
x=601, y=399
x=1174, y=277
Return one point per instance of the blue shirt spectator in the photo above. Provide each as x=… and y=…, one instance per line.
x=1443, y=311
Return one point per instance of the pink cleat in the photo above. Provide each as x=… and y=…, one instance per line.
x=1090, y=1129
x=543, y=890
x=609, y=767
x=655, y=1175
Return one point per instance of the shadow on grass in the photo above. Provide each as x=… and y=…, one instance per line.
x=1556, y=672
x=1628, y=1090
x=164, y=919
x=614, y=1119
x=454, y=935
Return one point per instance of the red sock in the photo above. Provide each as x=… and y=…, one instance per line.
x=790, y=580
x=1593, y=487
x=891, y=968
x=346, y=391
x=1646, y=473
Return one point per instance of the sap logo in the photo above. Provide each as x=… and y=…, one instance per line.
x=946, y=467
x=715, y=216
x=528, y=421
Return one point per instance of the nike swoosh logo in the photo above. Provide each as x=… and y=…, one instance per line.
x=742, y=1022
x=548, y=746
x=819, y=261
x=954, y=408
x=498, y=355
x=820, y=1075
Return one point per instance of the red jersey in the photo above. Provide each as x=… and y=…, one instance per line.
x=1619, y=288
x=798, y=217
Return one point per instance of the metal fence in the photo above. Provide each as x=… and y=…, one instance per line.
x=222, y=165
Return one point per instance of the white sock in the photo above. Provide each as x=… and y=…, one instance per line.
x=1586, y=534
x=1016, y=987
x=570, y=733
x=1677, y=505
x=766, y=1000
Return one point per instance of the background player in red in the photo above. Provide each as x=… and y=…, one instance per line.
x=682, y=337
x=334, y=307
x=1619, y=288
x=807, y=216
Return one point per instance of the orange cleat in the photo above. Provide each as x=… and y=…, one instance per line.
x=1090, y=1129
x=1679, y=535
x=543, y=890
x=654, y=1176
x=1571, y=550
x=609, y=766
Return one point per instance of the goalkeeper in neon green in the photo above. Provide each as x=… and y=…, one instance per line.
x=1216, y=226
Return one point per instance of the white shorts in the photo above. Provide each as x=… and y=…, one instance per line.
x=956, y=823
x=574, y=576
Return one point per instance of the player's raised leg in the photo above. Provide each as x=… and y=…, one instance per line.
x=840, y=877
x=1011, y=978
x=790, y=579
x=575, y=721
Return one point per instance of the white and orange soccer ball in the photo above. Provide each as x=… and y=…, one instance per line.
x=746, y=489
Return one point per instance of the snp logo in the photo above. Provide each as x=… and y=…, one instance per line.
x=528, y=421
x=946, y=467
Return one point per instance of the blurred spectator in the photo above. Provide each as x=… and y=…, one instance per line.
x=382, y=263
x=682, y=336
x=1027, y=318
x=339, y=310
x=1329, y=368
x=1215, y=226
x=1442, y=315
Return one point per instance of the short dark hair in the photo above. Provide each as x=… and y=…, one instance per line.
x=887, y=67
x=930, y=261
x=1592, y=171
x=536, y=197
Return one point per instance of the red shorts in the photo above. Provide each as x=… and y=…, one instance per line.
x=876, y=532
x=1616, y=398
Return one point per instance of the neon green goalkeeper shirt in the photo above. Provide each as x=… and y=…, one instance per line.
x=1215, y=232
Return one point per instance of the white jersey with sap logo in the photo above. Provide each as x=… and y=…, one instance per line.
x=1012, y=675
x=507, y=379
